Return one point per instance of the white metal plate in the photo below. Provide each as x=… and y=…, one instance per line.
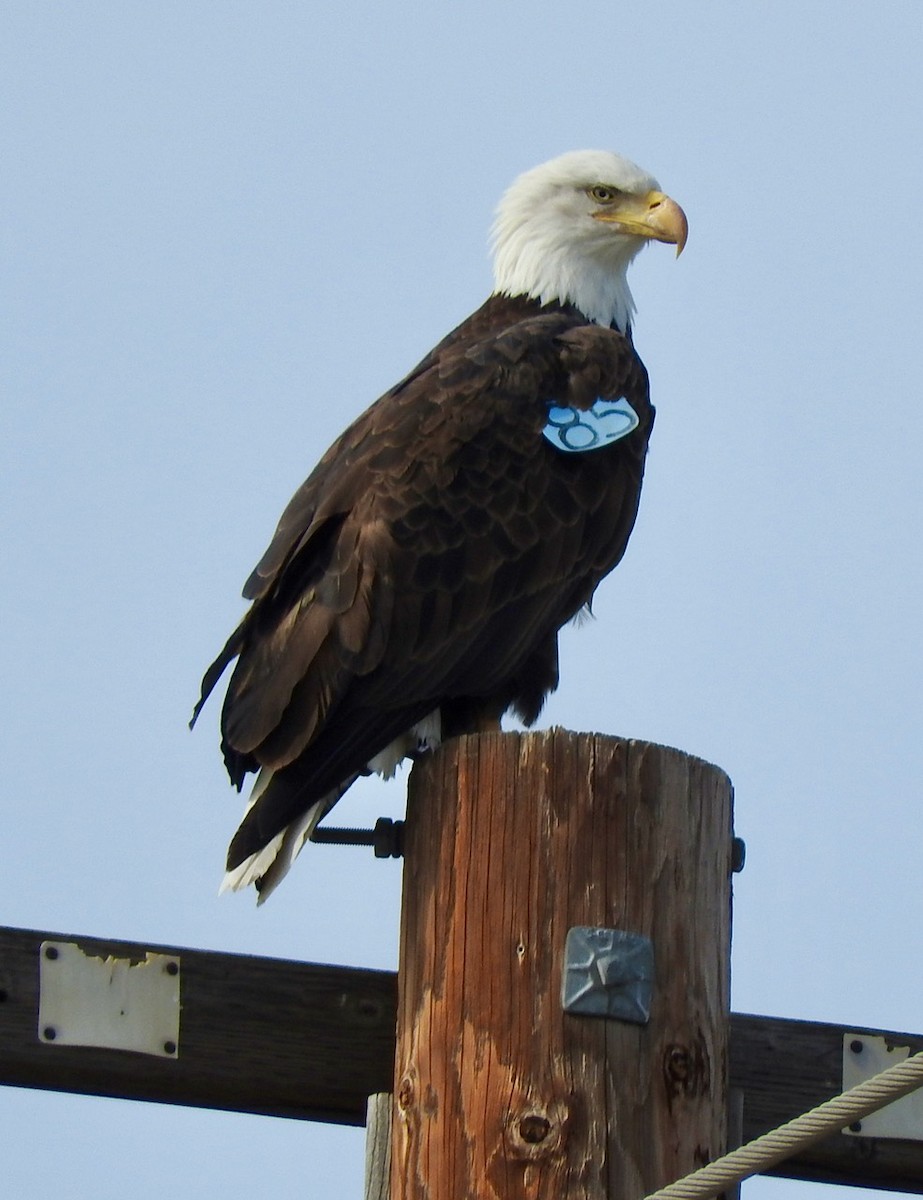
x=865, y=1056
x=116, y=1003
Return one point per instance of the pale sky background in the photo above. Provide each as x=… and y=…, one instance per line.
x=227, y=227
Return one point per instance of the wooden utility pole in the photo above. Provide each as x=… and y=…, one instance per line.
x=313, y=1041
x=512, y=841
x=497, y=1083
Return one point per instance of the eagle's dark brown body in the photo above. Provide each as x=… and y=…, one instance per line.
x=431, y=557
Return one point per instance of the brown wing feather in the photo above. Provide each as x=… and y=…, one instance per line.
x=432, y=555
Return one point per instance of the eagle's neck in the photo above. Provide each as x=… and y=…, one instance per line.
x=591, y=275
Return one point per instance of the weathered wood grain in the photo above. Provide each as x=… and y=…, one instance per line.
x=512, y=840
x=378, y=1147
x=256, y=1034
x=236, y=1053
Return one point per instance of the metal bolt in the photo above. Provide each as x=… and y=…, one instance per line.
x=856, y=1046
x=334, y=835
x=387, y=838
x=738, y=855
x=51, y=951
x=49, y=1033
x=534, y=1128
x=172, y=968
x=856, y=1127
x=169, y=1047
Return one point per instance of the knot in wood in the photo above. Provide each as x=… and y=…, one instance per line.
x=534, y=1128
x=361, y=1009
x=687, y=1068
x=679, y=1065
x=536, y=1131
x=405, y=1094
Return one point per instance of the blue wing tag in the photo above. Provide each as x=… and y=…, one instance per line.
x=576, y=430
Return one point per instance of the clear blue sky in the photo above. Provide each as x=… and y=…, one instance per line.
x=208, y=209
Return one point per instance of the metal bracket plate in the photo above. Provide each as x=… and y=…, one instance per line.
x=115, y=1003
x=608, y=973
x=864, y=1056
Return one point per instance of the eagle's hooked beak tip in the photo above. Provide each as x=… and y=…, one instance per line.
x=668, y=221
x=655, y=216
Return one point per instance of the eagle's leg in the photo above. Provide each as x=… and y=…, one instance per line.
x=472, y=715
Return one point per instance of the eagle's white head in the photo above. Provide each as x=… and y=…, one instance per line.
x=567, y=231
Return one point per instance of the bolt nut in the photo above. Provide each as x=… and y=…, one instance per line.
x=388, y=838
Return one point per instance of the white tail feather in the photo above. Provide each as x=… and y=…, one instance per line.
x=268, y=867
x=425, y=735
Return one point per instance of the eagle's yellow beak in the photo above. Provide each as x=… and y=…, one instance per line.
x=653, y=216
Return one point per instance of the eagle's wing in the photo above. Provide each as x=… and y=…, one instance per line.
x=429, y=561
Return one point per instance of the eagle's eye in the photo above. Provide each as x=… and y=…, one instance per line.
x=603, y=194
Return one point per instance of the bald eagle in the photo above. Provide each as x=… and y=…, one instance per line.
x=417, y=580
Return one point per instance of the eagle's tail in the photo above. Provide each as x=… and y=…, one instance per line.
x=267, y=867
